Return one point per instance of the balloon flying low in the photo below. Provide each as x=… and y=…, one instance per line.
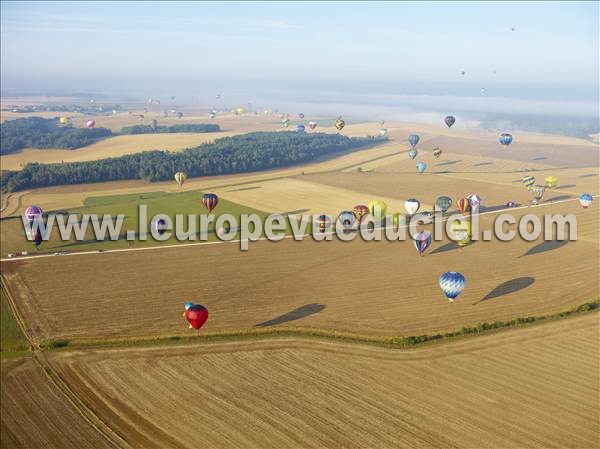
x=339, y=124
x=90, y=123
x=383, y=132
x=464, y=205
x=437, y=152
x=443, y=203
x=528, y=181
x=421, y=166
x=63, y=120
x=551, y=181
x=412, y=205
x=347, y=219
x=377, y=209
x=461, y=230
x=210, y=201
x=312, y=125
x=505, y=139
x=180, y=178
x=413, y=153
x=422, y=241
x=196, y=315
x=360, y=210
x=585, y=200
x=300, y=129
x=159, y=225
x=449, y=120
x=537, y=192
x=413, y=139
x=301, y=115
x=475, y=200
x=323, y=222
x=452, y=284
x=34, y=213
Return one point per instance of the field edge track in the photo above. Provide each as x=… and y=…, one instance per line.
x=55, y=379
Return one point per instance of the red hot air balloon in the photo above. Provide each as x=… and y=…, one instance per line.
x=196, y=315
x=210, y=201
x=360, y=211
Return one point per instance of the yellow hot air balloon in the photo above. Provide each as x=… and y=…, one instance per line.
x=239, y=111
x=551, y=181
x=339, y=124
x=462, y=232
x=377, y=209
x=63, y=120
x=180, y=178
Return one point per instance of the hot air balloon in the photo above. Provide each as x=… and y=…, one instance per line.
x=463, y=73
x=180, y=178
x=475, y=200
x=377, y=209
x=462, y=232
x=212, y=115
x=413, y=139
x=159, y=225
x=383, y=132
x=528, y=181
x=464, y=205
x=90, y=123
x=188, y=305
x=210, y=201
x=412, y=153
x=154, y=123
x=323, y=222
x=421, y=166
x=196, y=315
x=585, y=200
x=422, y=241
x=538, y=193
x=551, y=181
x=505, y=139
x=412, y=205
x=443, y=203
x=449, y=120
x=339, y=124
x=63, y=120
x=300, y=129
x=381, y=122
x=347, y=219
x=452, y=284
x=312, y=125
x=179, y=114
x=286, y=123
x=34, y=213
x=172, y=97
x=437, y=152
x=360, y=210
x=511, y=204
x=301, y=115
x=239, y=111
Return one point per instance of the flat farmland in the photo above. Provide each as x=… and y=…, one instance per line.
x=36, y=414
x=533, y=388
x=379, y=288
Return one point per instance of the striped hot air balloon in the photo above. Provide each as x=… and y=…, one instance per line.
x=210, y=201
x=452, y=284
x=422, y=241
x=464, y=205
x=505, y=139
x=413, y=139
x=443, y=203
x=180, y=178
x=538, y=192
x=347, y=219
x=34, y=213
x=437, y=152
x=360, y=210
x=528, y=181
x=323, y=222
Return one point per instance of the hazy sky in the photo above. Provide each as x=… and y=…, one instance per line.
x=553, y=42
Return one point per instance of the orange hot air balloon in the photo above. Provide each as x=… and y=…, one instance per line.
x=360, y=210
x=464, y=205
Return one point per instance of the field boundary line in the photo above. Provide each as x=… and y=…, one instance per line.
x=39, y=357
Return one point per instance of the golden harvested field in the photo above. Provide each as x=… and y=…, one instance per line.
x=380, y=288
x=36, y=414
x=529, y=388
x=112, y=147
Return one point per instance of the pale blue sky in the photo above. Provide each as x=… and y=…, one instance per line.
x=553, y=42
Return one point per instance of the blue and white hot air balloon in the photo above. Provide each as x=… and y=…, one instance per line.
x=421, y=166
x=300, y=129
x=412, y=154
x=452, y=284
x=585, y=200
x=188, y=305
x=422, y=241
x=413, y=139
x=505, y=139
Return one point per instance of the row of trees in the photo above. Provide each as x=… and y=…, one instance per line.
x=184, y=128
x=243, y=153
x=37, y=132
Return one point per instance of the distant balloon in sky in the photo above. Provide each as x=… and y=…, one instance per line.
x=421, y=166
x=449, y=120
x=210, y=201
x=505, y=139
x=585, y=200
x=179, y=114
x=463, y=73
x=301, y=115
x=413, y=139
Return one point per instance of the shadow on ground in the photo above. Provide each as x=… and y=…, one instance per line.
x=245, y=188
x=481, y=164
x=296, y=314
x=566, y=186
x=448, y=163
x=449, y=247
x=546, y=246
x=558, y=198
x=589, y=175
x=514, y=285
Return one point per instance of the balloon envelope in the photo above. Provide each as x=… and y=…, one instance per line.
x=585, y=200
x=413, y=139
x=196, y=315
x=538, y=192
x=33, y=213
x=505, y=139
x=422, y=241
x=443, y=203
x=383, y=132
x=360, y=210
x=180, y=178
x=339, y=124
x=551, y=181
x=412, y=153
x=210, y=201
x=412, y=205
x=452, y=284
x=437, y=152
x=346, y=219
x=449, y=120
x=300, y=129
x=464, y=205
x=461, y=230
x=421, y=166
x=528, y=181
x=377, y=209
x=323, y=222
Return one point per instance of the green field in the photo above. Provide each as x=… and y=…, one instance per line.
x=12, y=341
x=13, y=235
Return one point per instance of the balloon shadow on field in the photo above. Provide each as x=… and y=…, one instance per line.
x=296, y=314
x=481, y=164
x=558, y=198
x=566, y=186
x=589, y=175
x=493, y=208
x=295, y=212
x=448, y=163
x=514, y=285
x=539, y=158
x=449, y=247
x=546, y=246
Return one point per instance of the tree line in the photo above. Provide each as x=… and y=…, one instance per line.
x=40, y=133
x=243, y=153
